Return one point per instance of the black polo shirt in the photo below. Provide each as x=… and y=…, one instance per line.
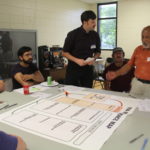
x=81, y=44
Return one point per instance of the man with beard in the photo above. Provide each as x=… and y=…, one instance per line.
x=25, y=72
x=141, y=60
x=81, y=48
x=121, y=83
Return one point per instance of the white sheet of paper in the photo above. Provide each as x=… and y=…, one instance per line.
x=84, y=121
x=40, y=95
x=144, y=105
x=89, y=59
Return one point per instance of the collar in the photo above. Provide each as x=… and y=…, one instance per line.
x=83, y=30
x=147, y=49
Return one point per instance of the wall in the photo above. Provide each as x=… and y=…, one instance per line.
x=133, y=15
x=52, y=19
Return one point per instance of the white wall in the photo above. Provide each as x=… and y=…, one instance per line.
x=52, y=19
x=133, y=15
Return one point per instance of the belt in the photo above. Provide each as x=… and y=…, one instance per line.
x=144, y=81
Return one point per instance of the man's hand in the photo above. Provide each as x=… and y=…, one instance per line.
x=27, y=77
x=111, y=75
x=90, y=60
x=36, y=77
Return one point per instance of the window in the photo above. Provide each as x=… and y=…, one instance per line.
x=107, y=25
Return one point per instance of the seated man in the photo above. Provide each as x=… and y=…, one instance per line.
x=1, y=84
x=25, y=72
x=121, y=83
x=11, y=142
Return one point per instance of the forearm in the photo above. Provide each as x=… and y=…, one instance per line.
x=123, y=70
x=19, y=77
x=69, y=56
x=38, y=77
x=80, y=62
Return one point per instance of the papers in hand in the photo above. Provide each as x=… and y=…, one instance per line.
x=89, y=59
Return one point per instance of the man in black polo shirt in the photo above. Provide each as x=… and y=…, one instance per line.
x=81, y=48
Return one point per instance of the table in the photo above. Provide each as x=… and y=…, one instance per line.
x=132, y=126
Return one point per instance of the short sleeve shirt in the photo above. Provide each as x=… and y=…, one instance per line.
x=141, y=60
x=81, y=44
x=121, y=83
x=7, y=142
x=24, y=70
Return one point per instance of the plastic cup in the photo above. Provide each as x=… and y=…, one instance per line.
x=49, y=80
x=26, y=89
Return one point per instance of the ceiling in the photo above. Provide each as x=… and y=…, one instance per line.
x=97, y=1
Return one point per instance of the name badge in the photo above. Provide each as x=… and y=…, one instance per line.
x=148, y=58
x=93, y=46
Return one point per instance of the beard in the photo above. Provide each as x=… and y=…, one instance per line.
x=118, y=59
x=28, y=61
x=147, y=46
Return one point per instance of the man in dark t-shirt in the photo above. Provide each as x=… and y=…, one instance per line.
x=25, y=72
x=81, y=48
x=121, y=83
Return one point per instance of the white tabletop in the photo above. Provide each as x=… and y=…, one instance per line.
x=134, y=125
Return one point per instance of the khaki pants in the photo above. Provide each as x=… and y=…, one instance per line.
x=139, y=89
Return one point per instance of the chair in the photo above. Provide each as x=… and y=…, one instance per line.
x=8, y=84
x=109, y=60
x=98, y=71
x=101, y=81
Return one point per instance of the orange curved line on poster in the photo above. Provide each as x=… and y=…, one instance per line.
x=120, y=107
